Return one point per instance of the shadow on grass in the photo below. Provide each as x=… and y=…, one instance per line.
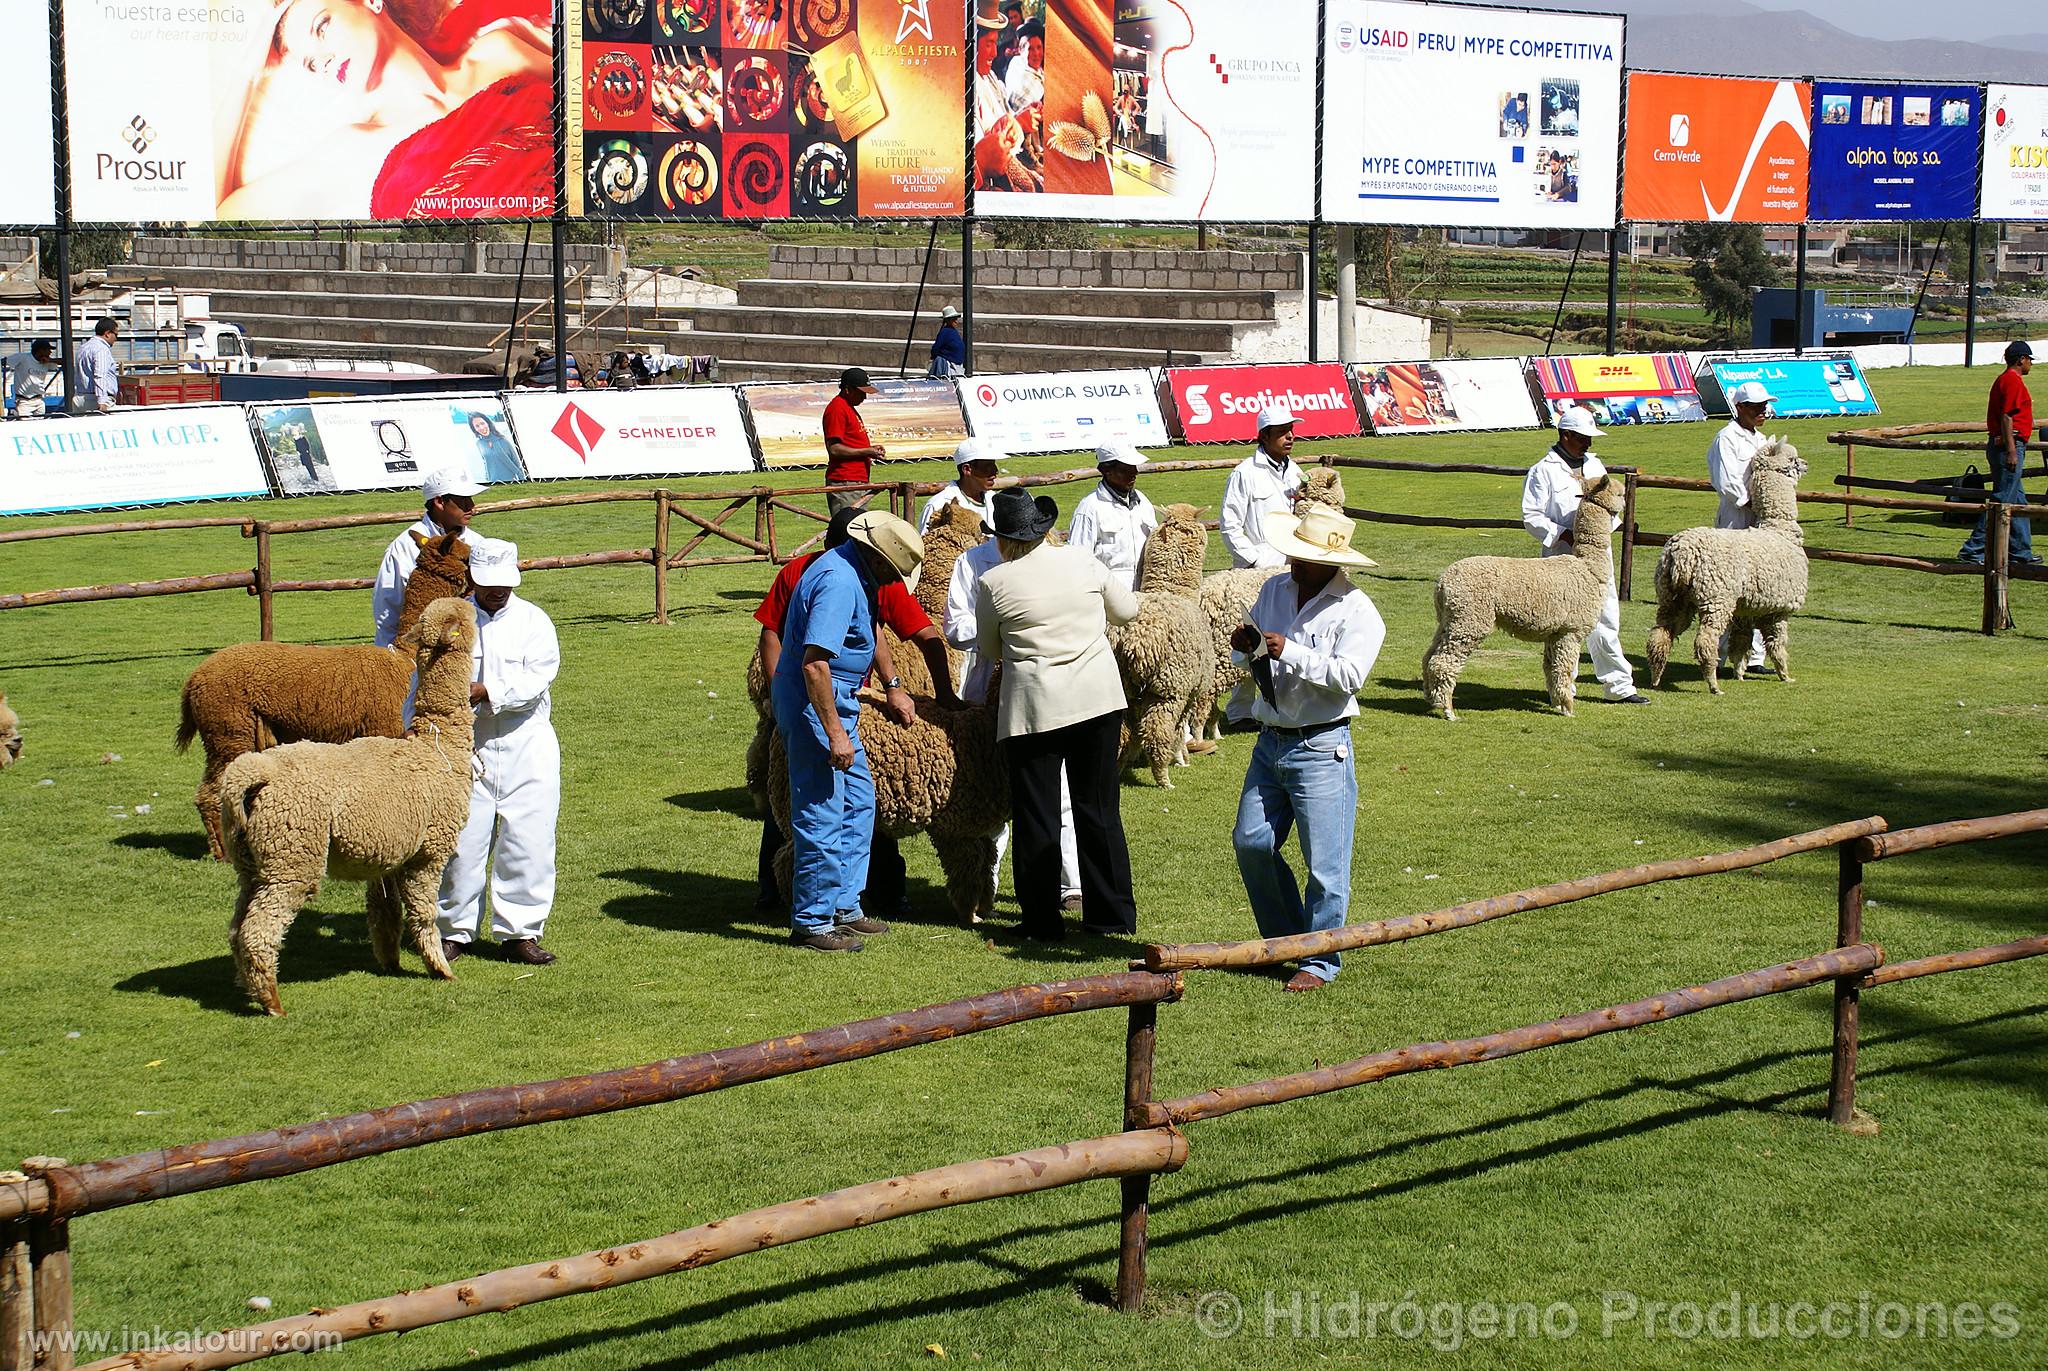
x=1470, y=697
x=694, y=902
x=736, y=800
x=189, y=846
x=316, y=949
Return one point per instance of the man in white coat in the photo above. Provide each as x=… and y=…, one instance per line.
x=976, y=460
x=1550, y=506
x=1114, y=519
x=1267, y=482
x=516, y=792
x=451, y=497
x=1734, y=448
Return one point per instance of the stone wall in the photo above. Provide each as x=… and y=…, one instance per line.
x=335, y=254
x=1070, y=269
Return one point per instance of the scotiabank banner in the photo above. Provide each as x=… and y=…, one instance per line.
x=1064, y=411
x=653, y=431
x=1222, y=404
x=152, y=456
x=1715, y=149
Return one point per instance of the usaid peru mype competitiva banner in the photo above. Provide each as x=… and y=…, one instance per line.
x=1891, y=151
x=2015, y=182
x=1714, y=149
x=28, y=194
x=1437, y=114
x=1064, y=411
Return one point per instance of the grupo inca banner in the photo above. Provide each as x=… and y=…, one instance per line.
x=1715, y=149
x=1222, y=404
x=28, y=193
x=1064, y=411
x=1452, y=114
x=648, y=431
x=2015, y=181
x=1893, y=151
x=908, y=419
x=815, y=109
x=1144, y=109
x=1645, y=388
x=155, y=456
x=319, y=446
x=1441, y=397
x=310, y=109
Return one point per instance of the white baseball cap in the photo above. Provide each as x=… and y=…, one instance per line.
x=493, y=562
x=450, y=481
x=977, y=450
x=1121, y=451
x=1579, y=419
x=1274, y=416
x=1751, y=393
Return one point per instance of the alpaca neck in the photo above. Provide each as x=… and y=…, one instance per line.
x=1593, y=539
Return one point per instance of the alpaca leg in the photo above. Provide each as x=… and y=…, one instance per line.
x=1560, y=667
x=1443, y=664
x=383, y=920
x=1706, y=643
x=417, y=886
x=1741, y=633
x=1672, y=619
x=969, y=867
x=1777, y=632
x=266, y=913
x=207, y=799
x=1159, y=736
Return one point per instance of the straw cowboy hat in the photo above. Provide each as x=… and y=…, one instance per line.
x=890, y=536
x=1322, y=536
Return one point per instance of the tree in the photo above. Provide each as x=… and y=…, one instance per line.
x=1728, y=263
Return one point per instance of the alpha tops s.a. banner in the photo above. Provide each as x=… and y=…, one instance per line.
x=1442, y=397
x=1222, y=404
x=1717, y=149
x=1064, y=411
x=2015, y=182
x=317, y=447
x=310, y=109
x=1892, y=151
x=155, y=456
x=1644, y=388
x=1451, y=114
x=1144, y=109
x=650, y=431
x=28, y=194
x=909, y=420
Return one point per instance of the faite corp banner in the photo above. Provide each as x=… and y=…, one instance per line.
x=1893, y=151
x=815, y=109
x=908, y=419
x=1144, y=109
x=130, y=457
x=1647, y=388
x=309, y=109
x=318, y=447
x=1714, y=149
x=1803, y=387
x=1441, y=397
x=28, y=196
x=1448, y=114
x=651, y=431
x=1222, y=404
x=2015, y=179
x=1064, y=411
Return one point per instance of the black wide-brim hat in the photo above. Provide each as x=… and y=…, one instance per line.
x=1022, y=518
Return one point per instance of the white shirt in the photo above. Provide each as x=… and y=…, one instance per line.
x=1550, y=499
x=1728, y=470
x=99, y=376
x=991, y=104
x=951, y=495
x=387, y=595
x=1332, y=642
x=1256, y=488
x=517, y=657
x=30, y=382
x=1025, y=85
x=961, y=626
x=1114, y=531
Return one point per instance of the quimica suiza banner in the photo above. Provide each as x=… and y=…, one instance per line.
x=129, y=457
x=1447, y=396
x=1892, y=151
x=1452, y=114
x=320, y=446
x=1715, y=149
x=649, y=431
x=2015, y=180
x=1064, y=411
x=28, y=192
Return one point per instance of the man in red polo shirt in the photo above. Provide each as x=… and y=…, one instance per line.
x=2009, y=421
x=847, y=449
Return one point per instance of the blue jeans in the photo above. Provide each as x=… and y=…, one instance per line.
x=831, y=815
x=1307, y=783
x=2007, y=489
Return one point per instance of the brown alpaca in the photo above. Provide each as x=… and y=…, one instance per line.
x=10, y=735
x=256, y=695
x=383, y=810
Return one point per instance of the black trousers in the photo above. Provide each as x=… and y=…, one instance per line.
x=1089, y=752
x=887, y=878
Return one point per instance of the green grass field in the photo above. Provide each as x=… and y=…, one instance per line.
x=1685, y=1163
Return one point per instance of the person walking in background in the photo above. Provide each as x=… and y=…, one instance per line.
x=1112, y=521
x=451, y=498
x=98, y=385
x=949, y=349
x=1728, y=459
x=976, y=460
x=2009, y=421
x=32, y=379
x=1550, y=506
x=847, y=449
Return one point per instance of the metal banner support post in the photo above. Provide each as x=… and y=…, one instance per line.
x=967, y=288
x=62, y=121
x=560, y=219
x=1799, y=295
x=1315, y=244
x=1613, y=286
x=1970, y=304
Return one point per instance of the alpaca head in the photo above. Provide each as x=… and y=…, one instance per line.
x=1321, y=486
x=447, y=634
x=1173, y=556
x=1779, y=456
x=954, y=529
x=10, y=735
x=1599, y=509
x=1774, y=483
x=1602, y=491
x=442, y=570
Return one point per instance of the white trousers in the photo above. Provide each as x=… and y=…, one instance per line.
x=1738, y=516
x=509, y=843
x=1070, y=851
x=1603, y=644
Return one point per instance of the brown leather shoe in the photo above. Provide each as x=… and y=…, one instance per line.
x=450, y=950
x=1304, y=980
x=526, y=951
x=865, y=925
x=827, y=942
x=1201, y=747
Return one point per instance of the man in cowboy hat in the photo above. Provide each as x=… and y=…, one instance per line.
x=1550, y=507
x=949, y=349
x=975, y=459
x=1728, y=459
x=1113, y=520
x=1308, y=641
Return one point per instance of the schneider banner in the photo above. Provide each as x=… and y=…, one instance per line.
x=1144, y=109
x=1646, y=388
x=130, y=457
x=1222, y=404
x=1441, y=397
x=1893, y=151
x=318, y=447
x=909, y=420
x=1804, y=387
x=302, y=109
x=1064, y=411
x=28, y=195
x=817, y=109
x=650, y=431
x=1447, y=114
x=1714, y=149
x=2015, y=184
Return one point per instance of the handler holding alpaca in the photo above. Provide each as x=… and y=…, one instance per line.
x=1550, y=506
x=1265, y=483
x=451, y=498
x=1728, y=460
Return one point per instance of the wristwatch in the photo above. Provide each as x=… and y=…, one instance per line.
x=893, y=683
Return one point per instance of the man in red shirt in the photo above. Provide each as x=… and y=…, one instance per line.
x=2009, y=420
x=847, y=449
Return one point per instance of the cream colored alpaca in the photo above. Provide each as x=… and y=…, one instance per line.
x=10, y=735
x=383, y=810
x=1164, y=654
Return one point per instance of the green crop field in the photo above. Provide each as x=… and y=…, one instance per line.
x=1634, y=1193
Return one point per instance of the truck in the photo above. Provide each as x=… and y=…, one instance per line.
x=161, y=330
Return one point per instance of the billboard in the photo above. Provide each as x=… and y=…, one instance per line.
x=1804, y=387
x=1064, y=411
x=1644, y=388
x=1893, y=151
x=1443, y=397
x=1715, y=149
x=155, y=456
x=306, y=110
x=1144, y=109
x=648, y=431
x=908, y=419
x=29, y=196
x=317, y=447
x=693, y=109
x=1441, y=114
x=1222, y=404
x=2015, y=179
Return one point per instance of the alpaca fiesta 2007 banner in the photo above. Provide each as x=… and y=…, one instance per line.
x=1446, y=396
x=320, y=446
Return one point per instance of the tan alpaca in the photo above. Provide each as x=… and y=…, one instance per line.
x=1164, y=654
x=10, y=735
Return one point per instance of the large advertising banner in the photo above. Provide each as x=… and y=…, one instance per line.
x=1443, y=397
x=1715, y=149
x=303, y=109
x=1144, y=109
x=1064, y=411
x=1222, y=404
x=153, y=456
x=1893, y=151
x=1803, y=387
x=818, y=109
x=1448, y=114
x=1644, y=388
x=318, y=447
x=2015, y=184
x=909, y=420
x=28, y=193
x=649, y=431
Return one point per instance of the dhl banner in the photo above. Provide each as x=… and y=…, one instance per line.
x=1644, y=388
x=1715, y=149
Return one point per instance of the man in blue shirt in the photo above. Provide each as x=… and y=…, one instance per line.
x=828, y=646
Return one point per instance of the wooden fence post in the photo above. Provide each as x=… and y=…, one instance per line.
x=1997, y=547
x=661, y=505
x=767, y=509
x=265, y=607
x=1849, y=483
x=1139, y=1039
x=1842, y=1111
x=49, y=1255
x=17, y=1299
x=908, y=490
x=1628, y=534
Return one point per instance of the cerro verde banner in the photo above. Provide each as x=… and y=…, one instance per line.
x=1222, y=404
x=1893, y=151
x=650, y=431
x=1717, y=149
x=908, y=419
x=1443, y=397
x=130, y=457
x=1064, y=411
x=28, y=194
x=1451, y=114
x=2015, y=182
x=1643, y=388
x=1802, y=387
x=318, y=447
